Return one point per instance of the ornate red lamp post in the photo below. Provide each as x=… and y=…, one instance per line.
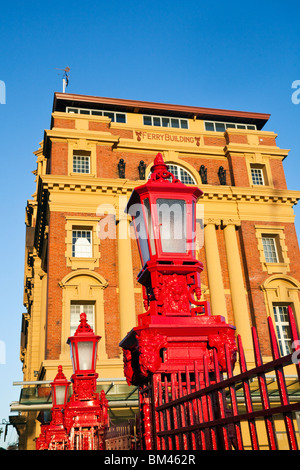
x=53, y=436
x=86, y=415
x=177, y=330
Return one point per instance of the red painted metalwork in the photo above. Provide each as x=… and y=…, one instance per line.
x=54, y=436
x=208, y=416
x=176, y=332
x=80, y=423
x=182, y=358
x=86, y=413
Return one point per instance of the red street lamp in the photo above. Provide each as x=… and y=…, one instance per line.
x=176, y=332
x=86, y=415
x=163, y=214
x=59, y=390
x=54, y=436
x=84, y=348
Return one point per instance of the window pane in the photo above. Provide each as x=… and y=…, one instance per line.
x=185, y=177
x=174, y=122
x=97, y=113
x=82, y=243
x=85, y=111
x=241, y=126
x=270, y=251
x=230, y=126
x=257, y=176
x=184, y=123
x=283, y=328
x=81, y=163
x=156, y=121
x=110, y=115
x=220, y=127
x=147, y=121
x=120, y=118
x=174, y=170
x=72, y=110
x=165, y=122
x=251, y=127
x=209, y=126
x=76, y=310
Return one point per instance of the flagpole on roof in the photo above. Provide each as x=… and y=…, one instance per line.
x=65, y=77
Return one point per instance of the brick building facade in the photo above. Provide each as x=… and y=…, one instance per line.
x=247, y=243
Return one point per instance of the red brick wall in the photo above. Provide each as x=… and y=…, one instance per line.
x=214, y=141
x=212, y=165
x=277, y=172
x=238, y=170
x=57, y=269
x=267, y=141
x=256, y=276
x=64, y=123
x=59, y=158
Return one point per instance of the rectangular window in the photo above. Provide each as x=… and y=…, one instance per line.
x=270, y=249
x=209, y=126
x=257, y=176
x=81, y=163
x=82, y=244
x=283, y=328
x=121, y=118
x=115, y=117
x=165, y=122
x=147, y=121
x=76, y=310
x=220, y=126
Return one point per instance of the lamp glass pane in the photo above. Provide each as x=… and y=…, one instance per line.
x=73, y=356
x=60, y=391
x=85, y=354
x=172, y=225
x=136, y=212
x=149, y=225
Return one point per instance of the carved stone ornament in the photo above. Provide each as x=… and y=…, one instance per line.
x=121, y=168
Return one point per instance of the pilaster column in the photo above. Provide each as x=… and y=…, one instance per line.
x=126, y=285
x=237, y=287
x=214, y=271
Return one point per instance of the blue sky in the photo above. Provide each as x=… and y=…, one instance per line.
x=232, y=55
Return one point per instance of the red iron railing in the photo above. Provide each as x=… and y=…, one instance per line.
x=196, y=410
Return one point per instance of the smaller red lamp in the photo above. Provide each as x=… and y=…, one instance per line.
x=83, y=346
x=59, y=390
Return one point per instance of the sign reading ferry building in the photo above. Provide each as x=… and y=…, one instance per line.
x=167, y=137
x=94, y=153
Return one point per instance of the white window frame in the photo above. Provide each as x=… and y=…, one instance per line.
x=98, y=112
x=157, y=121
x=258, y=175
x=275, y=257
x=177, y=173
x=282, y=328
x=228, y=125
x=85, y=159
x=84, y=250
x=76, y=309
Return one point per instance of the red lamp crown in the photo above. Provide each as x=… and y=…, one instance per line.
x=83, y=327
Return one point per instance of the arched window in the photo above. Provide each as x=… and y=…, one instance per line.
x=180, y=173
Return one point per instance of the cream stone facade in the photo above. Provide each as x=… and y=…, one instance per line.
x=236, y=217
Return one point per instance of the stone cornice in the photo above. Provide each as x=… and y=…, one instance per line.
x=125, y=186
